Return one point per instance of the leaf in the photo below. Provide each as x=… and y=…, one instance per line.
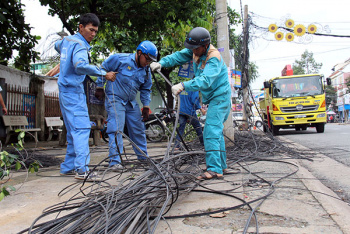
x=218, y=215
x=18, y=165
x=12, y=188
x=22, y=134
x=32, y=170
x=2, y=195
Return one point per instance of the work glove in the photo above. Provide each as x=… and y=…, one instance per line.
x=155, y=66
x=145, y=113
x=100, y=93
x=178, y=88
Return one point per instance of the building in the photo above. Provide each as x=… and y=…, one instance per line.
x=340, y=77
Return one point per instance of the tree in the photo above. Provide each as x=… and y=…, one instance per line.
x=15, y=35
x=331, y=96
x=307, y=64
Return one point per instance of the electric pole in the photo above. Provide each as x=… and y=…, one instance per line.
x=245, y=69
x=224, y=48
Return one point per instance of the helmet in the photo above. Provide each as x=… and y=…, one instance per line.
x=197, y=37
x=148, y=48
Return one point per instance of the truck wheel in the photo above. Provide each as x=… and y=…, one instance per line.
x=274, y=130
x=297, y=128
x=265, y=127
x=320, y=127
x=304, y=128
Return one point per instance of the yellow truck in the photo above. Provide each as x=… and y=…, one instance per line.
x=294, y=101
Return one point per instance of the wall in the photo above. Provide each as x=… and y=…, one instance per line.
x=14, y=77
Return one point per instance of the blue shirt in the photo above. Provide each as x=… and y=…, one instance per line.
x=129, y=79
x=211, y=76
x=74, y=63
x=189, y=102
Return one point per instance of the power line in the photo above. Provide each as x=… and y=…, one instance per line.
x=292, y=56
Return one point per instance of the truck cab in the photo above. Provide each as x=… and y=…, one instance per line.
x=294, y=101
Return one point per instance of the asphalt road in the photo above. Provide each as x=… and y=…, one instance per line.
x=334, y=142
x=331, y=151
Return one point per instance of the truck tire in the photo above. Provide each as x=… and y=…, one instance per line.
x=265, y=127
x=297, y=128
x=274, y=129
x=320, y=127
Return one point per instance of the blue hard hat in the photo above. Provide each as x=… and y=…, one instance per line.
x=148, y=48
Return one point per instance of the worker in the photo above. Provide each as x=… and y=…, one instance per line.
x=133, y=75
x=211, y=78
x=189, y=103
x=74, y=66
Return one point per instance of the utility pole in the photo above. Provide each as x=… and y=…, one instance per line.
x=245, y=69
x=224, y=48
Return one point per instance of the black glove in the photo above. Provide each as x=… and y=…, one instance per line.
x=145, y=113
x=100, y=94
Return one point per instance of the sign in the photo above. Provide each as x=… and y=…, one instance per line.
x=186, y=70
x=236, y=77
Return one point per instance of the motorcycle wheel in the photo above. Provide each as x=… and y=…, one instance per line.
x=105, y=135
x=156, y=128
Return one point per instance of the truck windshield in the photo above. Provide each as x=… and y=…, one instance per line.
x=297, y=86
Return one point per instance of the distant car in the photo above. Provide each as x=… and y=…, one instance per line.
x=238, y=118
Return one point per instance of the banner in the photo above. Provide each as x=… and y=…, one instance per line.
x=236, y=77
x=186, y=70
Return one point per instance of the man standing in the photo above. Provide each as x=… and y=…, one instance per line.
x=189, y=104
x=211, y=78
x=74, y=66
x=132, y=75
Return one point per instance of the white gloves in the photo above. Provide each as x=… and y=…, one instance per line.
x=178, y=88
x=155, y=66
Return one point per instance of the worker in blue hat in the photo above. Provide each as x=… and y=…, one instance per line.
x=132, y=75
x=211, y=78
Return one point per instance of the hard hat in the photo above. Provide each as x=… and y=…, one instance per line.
x=148, y=48
x=197, y=37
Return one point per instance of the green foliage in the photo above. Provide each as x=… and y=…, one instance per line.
x=306, y=65
x=9, y=162
x=51, y=63
x=124, y=24
x=15, y=35
x=331, y=95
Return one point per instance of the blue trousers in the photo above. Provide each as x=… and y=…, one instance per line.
x=118, y=116
x=214, y=142
x=193, y=120
x=76, y=119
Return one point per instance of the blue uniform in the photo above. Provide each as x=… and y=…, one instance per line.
x=189, y=103
x=74, y=66
x=211, y=78
x=121, y=105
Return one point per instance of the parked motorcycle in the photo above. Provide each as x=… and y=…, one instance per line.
x=156, y=124
x=155, y=127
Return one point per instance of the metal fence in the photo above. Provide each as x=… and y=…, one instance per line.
x=52, y=105
x=21, y=102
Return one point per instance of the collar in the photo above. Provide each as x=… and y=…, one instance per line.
x=83, y=39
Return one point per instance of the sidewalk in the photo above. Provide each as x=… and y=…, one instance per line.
x=293, y=207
